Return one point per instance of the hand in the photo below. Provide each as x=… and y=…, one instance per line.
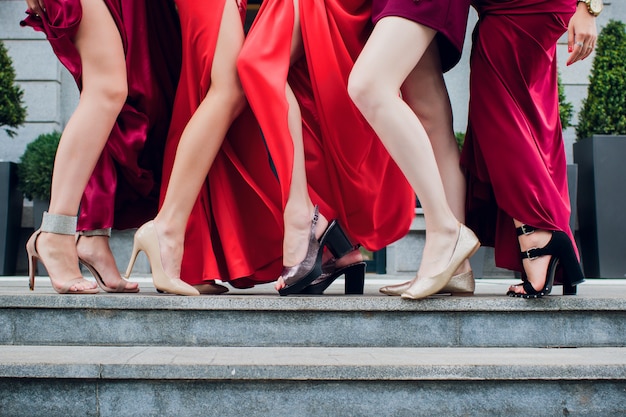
x=37, y=6
x=581, y=34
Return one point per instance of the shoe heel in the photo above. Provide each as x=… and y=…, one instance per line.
x=573, y=274
x=336, y=240
x=354, y=279
x=569, y=289
x=32, y=264
x=133, y=258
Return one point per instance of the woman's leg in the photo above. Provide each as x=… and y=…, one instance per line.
x=390, y=55
x=102, y=97
x=535, y=268
x=299, y=207
x=426, y=94
x=203, y=136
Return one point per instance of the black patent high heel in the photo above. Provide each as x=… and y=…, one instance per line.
x=563, y=254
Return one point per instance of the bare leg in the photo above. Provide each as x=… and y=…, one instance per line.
x=299, y=208
x=535, y=268
x=203, y=135
x=103, y=95
x=96, y=251
x=390, y=55
x=425, y=92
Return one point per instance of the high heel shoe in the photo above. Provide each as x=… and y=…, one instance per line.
x=58, y=224
x=462, y=284
x=354, y=278
x=354, y=274
x=147, y=240
x=466, y=245
x=121, y=286
x=297, y=277
x=562, y=251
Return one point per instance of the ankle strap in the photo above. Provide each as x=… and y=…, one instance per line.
x=534, y=253
x=525, y=230
x=96, y=232
x=58, y=224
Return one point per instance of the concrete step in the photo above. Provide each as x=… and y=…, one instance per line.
x=260, y=318
x=291, y=381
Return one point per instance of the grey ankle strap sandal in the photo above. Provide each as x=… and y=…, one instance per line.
x=58, y=223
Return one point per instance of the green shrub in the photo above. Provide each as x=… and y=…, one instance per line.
x=566, y=109
x=35, y=168
x=12, y=111
x=604, y=109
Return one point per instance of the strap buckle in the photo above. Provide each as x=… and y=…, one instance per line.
x=529, y=254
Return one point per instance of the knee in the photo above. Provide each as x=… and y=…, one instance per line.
x=362, y=89
x=112, y=96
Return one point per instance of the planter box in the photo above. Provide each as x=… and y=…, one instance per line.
x=11, y=201
x=601, y=205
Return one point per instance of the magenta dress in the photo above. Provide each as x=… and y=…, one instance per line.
x=447, y=17
x=123, y=190
x=513, y=152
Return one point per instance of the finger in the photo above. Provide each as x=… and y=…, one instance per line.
x=570, y=40
x=576, y=52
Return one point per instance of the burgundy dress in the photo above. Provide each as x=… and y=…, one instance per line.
x=123, y=189
x=350, y=174
x=513, y=152
x=447, y=17
x=234, y=232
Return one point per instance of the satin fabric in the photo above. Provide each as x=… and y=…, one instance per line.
x=350, y=175
x=447, y=17
x=513, y=152
x=123, y=190
x=234, y=231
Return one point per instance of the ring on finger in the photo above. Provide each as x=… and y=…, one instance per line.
x=579, y=44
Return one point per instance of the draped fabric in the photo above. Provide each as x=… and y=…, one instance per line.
x=350, y=175
x=234, y=232
x=513, y=152
x=123, y=190
x=447, y=17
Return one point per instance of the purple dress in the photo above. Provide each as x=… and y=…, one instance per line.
x=447, y=17
x=123, y=190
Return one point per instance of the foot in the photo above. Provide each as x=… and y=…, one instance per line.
x=296, y=239
x=535, y=268
x=58, y=254
x=438, y=250
x=211, y=288
x=96, y=251
x=171, y=245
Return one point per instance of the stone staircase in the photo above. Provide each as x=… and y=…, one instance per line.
x=252, y=353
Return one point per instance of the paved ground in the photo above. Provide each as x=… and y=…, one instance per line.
x=593, y=288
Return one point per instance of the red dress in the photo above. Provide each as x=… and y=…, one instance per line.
x=351, y=176
x=447, y=17
x=123, y=189
x=234, y=231
x=513, y=151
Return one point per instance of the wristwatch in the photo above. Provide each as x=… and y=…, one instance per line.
x=594, y=6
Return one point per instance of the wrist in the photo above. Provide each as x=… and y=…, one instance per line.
x=594, y=7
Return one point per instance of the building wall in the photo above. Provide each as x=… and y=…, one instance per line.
x=51, y=95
